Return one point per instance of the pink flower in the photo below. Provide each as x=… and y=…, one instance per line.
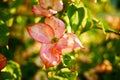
x=54, y=40
x=47, y=7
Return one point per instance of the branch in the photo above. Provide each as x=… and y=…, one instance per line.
x=109, y=30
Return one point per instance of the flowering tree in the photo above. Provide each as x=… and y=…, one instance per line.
x=59, y=40
x=52, y=34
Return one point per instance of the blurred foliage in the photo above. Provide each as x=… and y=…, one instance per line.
x=4, y=32
x=95, y=22
x=11, y=71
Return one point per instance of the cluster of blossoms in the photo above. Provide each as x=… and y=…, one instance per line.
x=51, y=33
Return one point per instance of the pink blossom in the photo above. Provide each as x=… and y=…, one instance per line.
x=54, y=40
x=47, y=7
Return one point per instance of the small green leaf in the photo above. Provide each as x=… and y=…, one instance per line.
x=11, y=71
x=4, y=33
x=69, y=61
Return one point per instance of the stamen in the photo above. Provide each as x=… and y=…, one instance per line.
x=54, y=40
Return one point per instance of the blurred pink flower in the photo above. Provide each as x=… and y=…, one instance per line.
x=47, y=7
x=54, y=40
x=3, y=61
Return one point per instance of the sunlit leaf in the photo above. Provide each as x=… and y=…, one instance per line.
x=76, y=16
x=67, y=74
x=87, y=26
x=11, y=71
x=64, y=74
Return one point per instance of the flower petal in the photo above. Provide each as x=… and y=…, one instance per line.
x=41, y=32
x=50, y=55
x=45, y=3
x=57, y=25
x=57, y=5
x=77, y=43
x=65, y=44
x=68, y=42
x=38, y=10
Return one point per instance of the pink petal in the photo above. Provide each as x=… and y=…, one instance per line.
x=68, y=42
x=57, y=25
x=45, y=3
x=50, y=55
x=77, y=43
x=57, y=5
x=41, y=32
x=38, y=10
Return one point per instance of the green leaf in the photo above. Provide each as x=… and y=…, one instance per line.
x=4, y=33
x=64, y=74
x=71, y=11
x=67, y=74
x=81, y=15
x=11, y=71
x=76, y=16
x=6, y=76
x=87, y=27
x=69, y=61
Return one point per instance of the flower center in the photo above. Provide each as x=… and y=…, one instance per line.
x=54, y=40
x=49, y=7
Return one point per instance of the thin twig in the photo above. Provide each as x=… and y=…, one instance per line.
x=109, y=31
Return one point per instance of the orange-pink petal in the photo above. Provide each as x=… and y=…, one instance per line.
x=38, y=10
x=57, y=25
x=47, y=7
x=50, y=55
x=57, y=5
x=45, y=3
x=77, y=43
x=41, y=32
x=68, y=43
